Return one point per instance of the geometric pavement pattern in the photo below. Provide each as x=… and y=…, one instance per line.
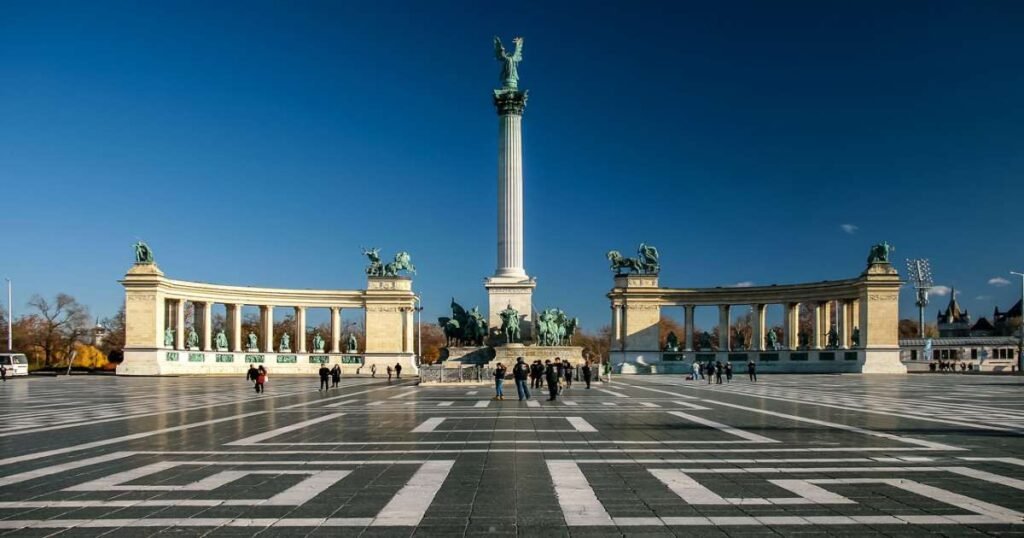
x=845, y=455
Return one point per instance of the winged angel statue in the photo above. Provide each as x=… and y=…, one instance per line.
x=509, y=74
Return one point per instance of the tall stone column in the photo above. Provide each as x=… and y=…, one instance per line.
x=267, y=328
x=617, y=327
x=235, y=321
x=206, y=338
x=300, y=329
x=816, y=342
x=179, y=324
x=842, y=322
x=510, y=285
x=688, y=323
x=757, y=335
x=723, y=327
x=826, y=322
x=335, y=329
x=791, y=326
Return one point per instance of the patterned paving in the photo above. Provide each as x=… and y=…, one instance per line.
x=645, y=455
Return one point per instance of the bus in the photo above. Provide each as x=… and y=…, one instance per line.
x=16, y=363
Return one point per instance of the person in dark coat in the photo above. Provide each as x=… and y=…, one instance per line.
x=538, y=367
x=585, y=370
x=728, y=372
x=398, y=370
x=718, y=373
x=520, y=372
x=711, y=372
x=335, y=375
x=752, y=370
x=324, y=375
x=568, y=370
x=551, y=376
x=252, y=373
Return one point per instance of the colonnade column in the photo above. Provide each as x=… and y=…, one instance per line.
x=206, y=337
x=235, y=322
x=758, y=332
x=179, y=324
x=300, y=329
x=842, y=318
x=335, y=329
x=267, y=328
x=617, y=327
x=791, y=325
x=816, y=322
x=855, y=320
x=723, y=327
x=688, y=345
x=826, y=322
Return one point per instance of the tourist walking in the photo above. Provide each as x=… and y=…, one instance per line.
x=585, y=370
x=398, y=370
x=696, y=371
x=389, y=374
x=728, y=372
x=559, y=372
x=710, y=371
x=752, y=370
x=3, y=372
x=252, y=373
x=551, y=376
x=568, y=369
x=261, y=379
x=718, y=373
x=335, y=375
x=499, y=379
x=519, y=374
x=373, y=370
x=324, y=375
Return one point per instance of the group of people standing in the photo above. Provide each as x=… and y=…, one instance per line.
x=557, y=374
x=715, y=371
x=333, y=373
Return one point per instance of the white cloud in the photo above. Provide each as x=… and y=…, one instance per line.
x=744, y=284
x=849, y=228
x=982, y=298
x=941, y=291
x=998, y=281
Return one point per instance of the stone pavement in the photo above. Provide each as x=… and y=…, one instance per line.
x=645, y=455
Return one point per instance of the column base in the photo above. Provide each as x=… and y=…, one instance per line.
x=515, y=291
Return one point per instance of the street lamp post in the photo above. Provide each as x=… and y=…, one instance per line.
x=1020, y=344
x=919, y=272
x=10, y=317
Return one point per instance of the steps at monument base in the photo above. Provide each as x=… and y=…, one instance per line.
x=507, y=354
x=476, y=356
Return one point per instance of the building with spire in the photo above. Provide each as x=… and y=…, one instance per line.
x=954, y=321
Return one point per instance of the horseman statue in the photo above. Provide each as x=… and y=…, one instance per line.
x=376, y=268
x=463, y=328
x=555, y=328
x=403, y=262
x=510, y=324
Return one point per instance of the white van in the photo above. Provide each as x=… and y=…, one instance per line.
x=16, y=363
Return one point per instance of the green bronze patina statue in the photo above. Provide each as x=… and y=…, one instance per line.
x=168, y=337
x=286, y=343
x=252, y=342
x=510, y=324
x=463, y=328
x=833, y=338
x=509, y=62
x=221, y=341
x=353, y=345
x=403, y=262
x=855, y=337
x=704, y=343
x=143, y=254
x=646, y=261
x=193, y=339
x=671, y=342
x=880, y=253
x=318, y=343
x=555, y=328
x=772, y=340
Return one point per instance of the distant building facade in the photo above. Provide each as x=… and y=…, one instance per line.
x=955, y=322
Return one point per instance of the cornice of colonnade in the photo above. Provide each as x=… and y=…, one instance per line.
x=149, y=278
x=645, y=289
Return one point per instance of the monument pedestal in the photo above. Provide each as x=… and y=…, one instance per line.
x=514, y=291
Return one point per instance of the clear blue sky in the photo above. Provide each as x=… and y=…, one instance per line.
x=264, y=143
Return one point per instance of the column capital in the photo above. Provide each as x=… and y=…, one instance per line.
x=510, y=102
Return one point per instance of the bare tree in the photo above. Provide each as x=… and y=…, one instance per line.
x=116, y=333
x=60, y=325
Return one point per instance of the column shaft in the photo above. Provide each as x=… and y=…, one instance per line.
x=842, y=319
x=791, y=325
x=688, y=323
x=510, y=197
x=723, y=327
x=235, y=321
x=300, y=329
x=206, y=338
x=759, y=332
x=826, y=322
x=179, y=324
x=267, y=328
x=816, y=342
x=335, y=329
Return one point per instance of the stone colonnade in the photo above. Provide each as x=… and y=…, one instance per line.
x=867, y=305
x=154, y=304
